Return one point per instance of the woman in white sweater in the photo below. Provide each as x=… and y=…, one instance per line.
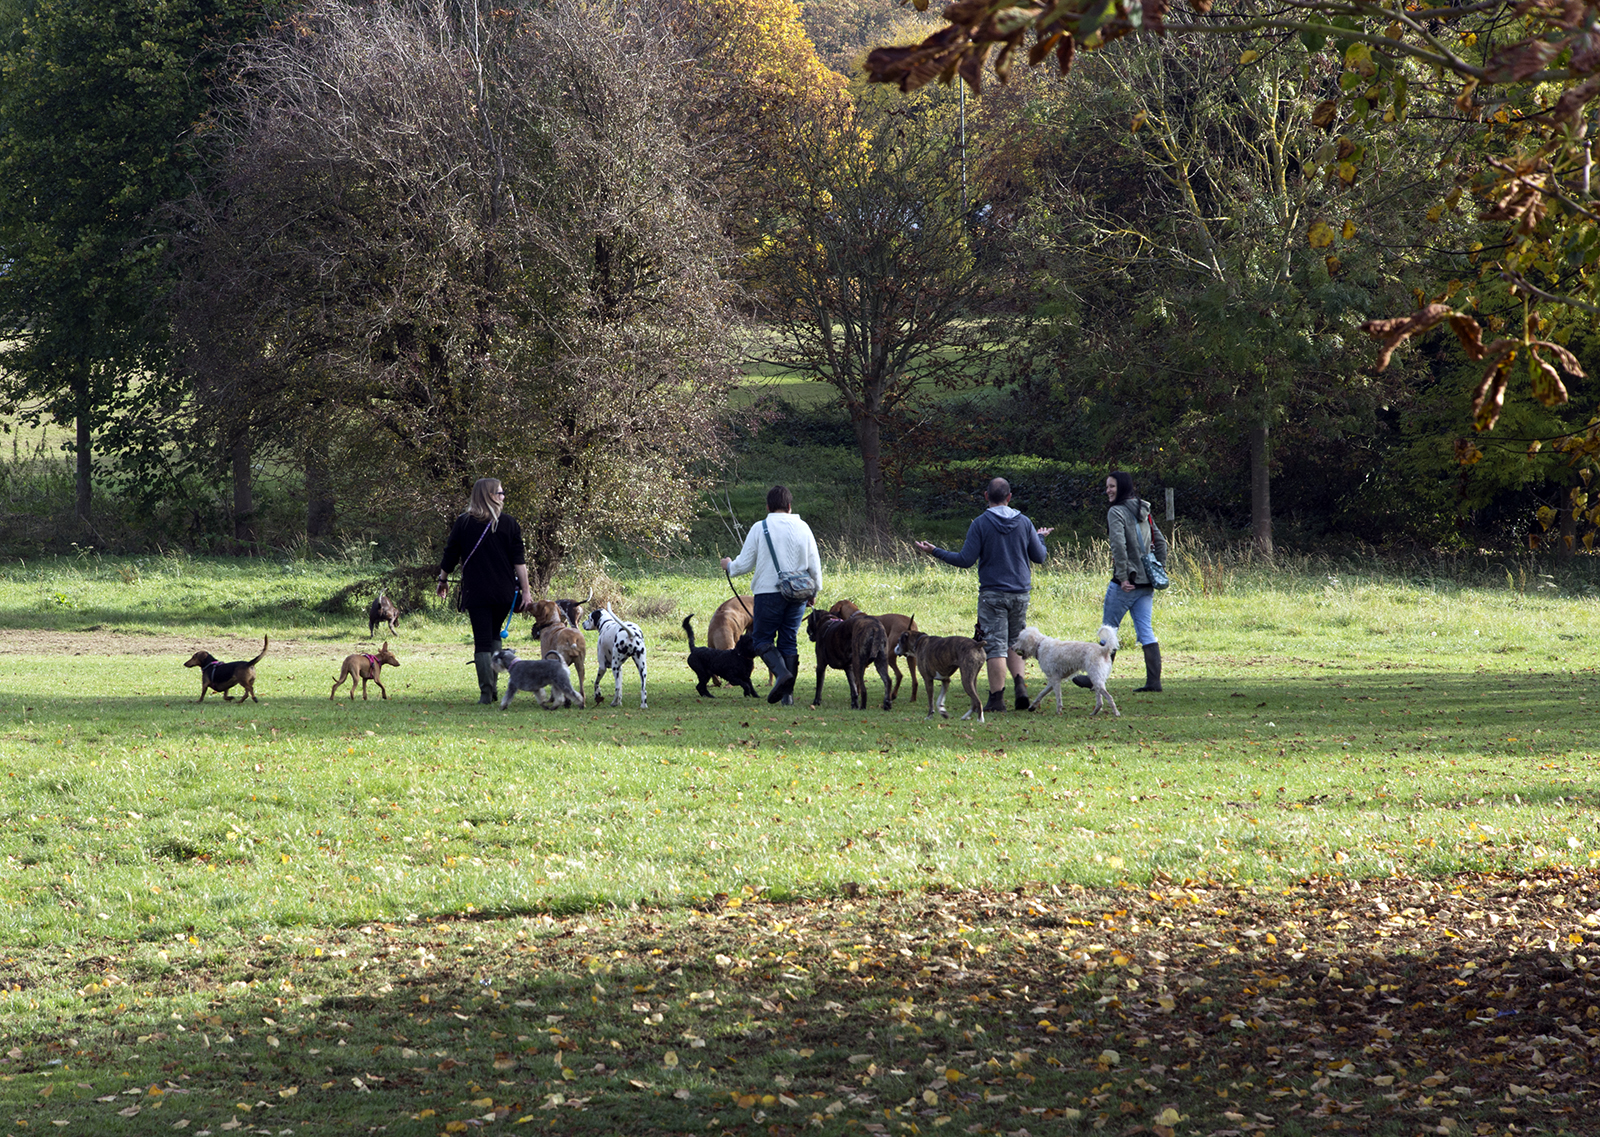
x=784, y=543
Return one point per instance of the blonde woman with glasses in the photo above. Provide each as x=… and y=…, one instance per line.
x=487, y=543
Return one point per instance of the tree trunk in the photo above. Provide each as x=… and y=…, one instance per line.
x=869, y=436
x=244, y=510
x=545, y=553
x=1261, y=489
x=319, y=491
x=84, y=447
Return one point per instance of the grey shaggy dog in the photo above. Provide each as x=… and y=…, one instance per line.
x=535, y=675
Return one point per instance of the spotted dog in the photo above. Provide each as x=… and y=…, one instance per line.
x=618, y=640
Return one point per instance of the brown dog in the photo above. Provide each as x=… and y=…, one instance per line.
x=570, y=647
x=941, y=658
x=366, y=668
x=218, y=676
x=731, y=620
x=382, y=610
x=894, y=626
x=849, y=645
x=546, y=614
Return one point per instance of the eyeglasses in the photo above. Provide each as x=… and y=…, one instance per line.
x=497, y=493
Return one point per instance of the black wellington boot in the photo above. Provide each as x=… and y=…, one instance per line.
x=1020, y=690
x=997, y=702
x=1152, y=668
x=1082, y=681
x=488, y=682
x=792, y=662
x=782, y=674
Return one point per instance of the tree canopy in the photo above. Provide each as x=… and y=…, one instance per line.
x=1526, y=75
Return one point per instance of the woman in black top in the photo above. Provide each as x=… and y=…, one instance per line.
x=494, y=574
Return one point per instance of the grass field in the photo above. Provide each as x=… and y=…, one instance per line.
x=1337, y=875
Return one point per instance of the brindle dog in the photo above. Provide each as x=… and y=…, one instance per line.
x=850, y=645
x=894, y=626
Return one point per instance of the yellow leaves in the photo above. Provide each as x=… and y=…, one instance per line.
x=1347, y=172
x=1248, y=57
x=1349, y=229
x=288, y=1091
x=1138, y=121
x=952, y=1075
x=1168, y=1117
x=1320, y=236
x=669, y=1059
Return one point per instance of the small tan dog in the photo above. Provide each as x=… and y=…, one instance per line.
x=1061, y=659
x=366, y=668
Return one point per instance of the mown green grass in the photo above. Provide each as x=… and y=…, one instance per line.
x=1308, y=726
x=324, y=865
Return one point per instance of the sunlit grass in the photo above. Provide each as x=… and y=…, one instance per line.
x=1310, y=725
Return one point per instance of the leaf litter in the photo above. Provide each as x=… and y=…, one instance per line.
x=1459, y=1005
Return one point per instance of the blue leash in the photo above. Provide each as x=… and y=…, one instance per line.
x=505, y=632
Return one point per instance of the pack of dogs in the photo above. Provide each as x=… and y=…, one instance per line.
x=844, y=637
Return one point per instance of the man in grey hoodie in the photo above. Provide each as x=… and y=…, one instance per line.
x=1001, y=542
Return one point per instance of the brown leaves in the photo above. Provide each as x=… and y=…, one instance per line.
x=1517, y=62
x=961, y=47
x=1395, y=330
x=1489, y=398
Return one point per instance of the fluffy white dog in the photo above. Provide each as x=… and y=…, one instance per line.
x=1061, y=659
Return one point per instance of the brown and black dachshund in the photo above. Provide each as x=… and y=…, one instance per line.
x=218, y=676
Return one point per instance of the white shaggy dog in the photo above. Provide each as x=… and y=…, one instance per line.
x=1061, y=659
x=618, y=640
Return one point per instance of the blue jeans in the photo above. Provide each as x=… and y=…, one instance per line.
x=1139, y=602
x=775, y=616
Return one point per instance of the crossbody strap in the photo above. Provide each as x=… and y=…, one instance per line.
x=767, y=533
x=1137, y=532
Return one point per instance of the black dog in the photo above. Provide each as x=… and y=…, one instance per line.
x=382, y=610
x=732, y=666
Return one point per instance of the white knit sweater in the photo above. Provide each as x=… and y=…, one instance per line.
x=796, y=547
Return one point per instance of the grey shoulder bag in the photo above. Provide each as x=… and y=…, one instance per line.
x=793, y=584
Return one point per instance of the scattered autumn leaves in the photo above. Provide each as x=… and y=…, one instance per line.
x=1465, y=1005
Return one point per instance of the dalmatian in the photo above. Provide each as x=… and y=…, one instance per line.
x=619, y=640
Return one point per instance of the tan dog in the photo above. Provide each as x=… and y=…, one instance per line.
x=894, y=626
x=546, y=614
x=941, y=658
x=366, y=668
x=732, y=619
x=849, y=645
x=570, y=647
x=218, y=676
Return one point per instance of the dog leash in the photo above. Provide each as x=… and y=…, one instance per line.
x=505, y=632
x=737, y=597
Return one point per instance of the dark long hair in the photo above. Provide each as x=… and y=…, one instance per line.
x=1125, y=489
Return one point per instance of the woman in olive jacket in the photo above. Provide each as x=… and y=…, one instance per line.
x=1130, y=524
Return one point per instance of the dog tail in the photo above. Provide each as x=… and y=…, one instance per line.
x=688, y=627
x=257, y=659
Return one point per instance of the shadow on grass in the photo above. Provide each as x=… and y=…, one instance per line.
x=1382, y=1007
